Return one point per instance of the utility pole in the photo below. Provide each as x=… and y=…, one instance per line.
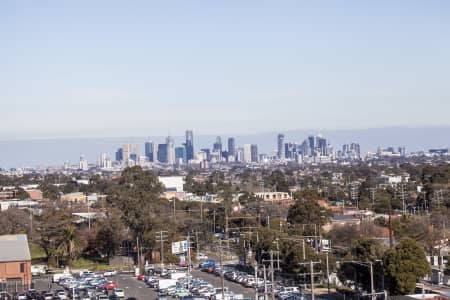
x=162, y=237
x=201, y=212
x=174, y=209
x=312, y=279
x=189, y=261
x=265, y=282
x=221, y=270
x=89, y=216
x=372, y=289
x=373, y=294
x=272, y=270
x=214, y=218
x=256, y=280
x=403, y=196
x=328, y=276
x=197, y=243
x=311, y=273
x=138, y=253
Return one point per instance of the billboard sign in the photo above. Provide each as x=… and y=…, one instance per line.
x=179, y=247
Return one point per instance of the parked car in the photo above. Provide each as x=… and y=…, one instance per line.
x=202, y=256
x=141, y=277
x=110, y=285
x=119, y=293
x=47, y=296
x=21, y=296
x=62, y=295
x=110, y=273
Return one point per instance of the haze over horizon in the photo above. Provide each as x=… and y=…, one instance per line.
x=51, y=152
x=106, y=68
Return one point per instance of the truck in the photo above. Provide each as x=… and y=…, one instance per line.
x=165, y=283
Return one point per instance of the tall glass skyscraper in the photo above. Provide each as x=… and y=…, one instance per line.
x=170, y=150
x=231, y=147
x=162, y=153
x=280, y=140
x=217, y=146
x=149, y=150
x=189, y=145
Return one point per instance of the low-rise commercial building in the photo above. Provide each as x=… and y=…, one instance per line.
x=15, y=259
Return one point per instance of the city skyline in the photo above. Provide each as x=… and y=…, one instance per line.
x=220, y=67
x=54, y=152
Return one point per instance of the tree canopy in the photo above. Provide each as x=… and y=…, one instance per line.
x=405, y=265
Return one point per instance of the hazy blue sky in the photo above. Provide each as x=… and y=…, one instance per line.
x=115, y=68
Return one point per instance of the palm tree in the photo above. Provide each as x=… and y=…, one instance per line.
x=70, y=246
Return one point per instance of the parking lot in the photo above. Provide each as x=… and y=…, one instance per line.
x=234, y=287
x=204, y=283
x=132, y=287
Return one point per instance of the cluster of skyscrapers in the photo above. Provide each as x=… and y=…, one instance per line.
x=315, y=149
x=168, y=153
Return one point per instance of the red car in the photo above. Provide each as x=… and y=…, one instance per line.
x=141, y=277
x=111, y=285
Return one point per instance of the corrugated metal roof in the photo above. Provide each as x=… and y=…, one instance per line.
x=14, y=248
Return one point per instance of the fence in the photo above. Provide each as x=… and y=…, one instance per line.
x=14, y=286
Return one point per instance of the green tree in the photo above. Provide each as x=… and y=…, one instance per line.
x=109, y=235
x=22, y=194
x=50, y=232
x=364, y=250
x=70, y=243
x=137, y=195
x=405, y=265
x=14, y=221
x=386, y=201
x=308, y=212
x=308, y=194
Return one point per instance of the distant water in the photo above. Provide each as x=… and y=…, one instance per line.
x=32, y=153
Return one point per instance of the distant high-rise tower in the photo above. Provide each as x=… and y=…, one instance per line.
x=280, y=140
x=129, y=151
x=162, y=153
x=119, y=154
x=312, y=146
x=83, y=165
x=180, y=155
x=170, y=150
x=254, y=152
x=217, y=146
x=149, y=150
x=231, y=147
x=322, y=146
x=189, y=145
x=247, y=153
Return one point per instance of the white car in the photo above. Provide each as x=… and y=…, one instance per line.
x=22, y=296
x=110, y=273
x=119, y=293
x=202, y=256
x=62, y=295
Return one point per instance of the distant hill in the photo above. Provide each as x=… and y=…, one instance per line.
x=57, y=151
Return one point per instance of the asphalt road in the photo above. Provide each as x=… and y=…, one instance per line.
x=216, y=281
x=134, y=288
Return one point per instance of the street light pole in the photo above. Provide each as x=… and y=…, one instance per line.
x=372, y=291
